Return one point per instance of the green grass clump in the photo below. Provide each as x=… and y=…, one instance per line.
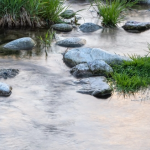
x=33, y=13
x=131, y=76
x=111, y=10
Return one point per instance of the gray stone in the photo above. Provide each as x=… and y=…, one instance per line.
x=89, y=27
x=67, y=14
x=8, y=73
x=94, y=68
x=77, y=56
x=62, y=27
x=71, y=42
x=81, y=70
x=96, y=86
x=134, y=26
x=25, y=43
x=5, y=90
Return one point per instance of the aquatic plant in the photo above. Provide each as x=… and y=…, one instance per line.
x=33, y=13
x=131, y=76
x=111, y=11
x=47, y=40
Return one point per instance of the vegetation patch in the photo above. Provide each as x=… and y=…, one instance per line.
x=33, y=13
x=131, y=76
x=111, y=11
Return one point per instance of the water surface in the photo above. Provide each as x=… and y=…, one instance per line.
x=45, y=112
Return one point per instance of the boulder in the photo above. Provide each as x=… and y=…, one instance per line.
x=67, y=14
x=62, y=27
x=77, y=56
x=71, y=42
x=96, y=86
x=25, y=43
x=8, y=73
x=5, y=90
x=134, y=26
x=94, y=68
x=89, y=27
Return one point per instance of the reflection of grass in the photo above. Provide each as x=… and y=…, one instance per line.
x=47, y=40
x=131, y=76
x=4, y=51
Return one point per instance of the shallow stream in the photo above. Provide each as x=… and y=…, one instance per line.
x=45, y=112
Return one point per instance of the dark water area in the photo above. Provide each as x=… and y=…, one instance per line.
x=45, y=112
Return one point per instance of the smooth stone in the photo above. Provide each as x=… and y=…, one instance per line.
x=71, y=42
x=77, y=56
x=81, y=70
x=67, y=14
x=62, y=27
x=96, y=86
x=25, y=43
x=89, y=27
x=5, y=90
x=134, y=26
x=8, y=73
x=94, y=68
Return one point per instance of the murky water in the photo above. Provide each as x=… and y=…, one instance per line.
x=45, y=112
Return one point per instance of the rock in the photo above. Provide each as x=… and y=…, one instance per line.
x=67, y=14
x=96, y=86
x=71, y=42
x=25, y=43
x=81, y=70
x=134, y=26
x=77, y=56
x=8, y=73
x=89, y=27
x=94, y=68
x=5, y=90
x=62, y=27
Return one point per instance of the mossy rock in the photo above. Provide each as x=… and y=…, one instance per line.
x=67, y=14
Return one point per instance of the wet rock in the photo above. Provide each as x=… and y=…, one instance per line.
x=71, y=42
x=134, y=26
x=89, y=27
x=96, y=86
x=25, y=43
x=62, y=27
x=77, y=56
x=67, y=14
x=5, y=90
x=81, y=70
x=94, y=68
x=8, y=73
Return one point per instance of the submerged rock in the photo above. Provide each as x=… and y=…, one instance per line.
x=134, y=26
x=89, y=27
x=94, y=68
x=25, y=43
x=5, y=90
x=67, y=14
x=77, y=56
x=8, y=73
x=71, y=42
x=96, y=86
x=62, y=27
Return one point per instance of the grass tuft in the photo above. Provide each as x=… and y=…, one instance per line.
x=131, y=76
x=111, y=11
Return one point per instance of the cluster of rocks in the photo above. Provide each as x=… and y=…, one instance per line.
x=90, y=62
